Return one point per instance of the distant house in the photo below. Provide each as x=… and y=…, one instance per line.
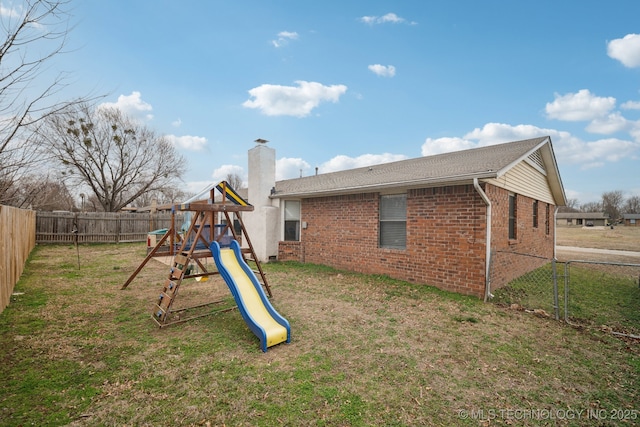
x=582, y=219
x=631, y=220
x=429, y=220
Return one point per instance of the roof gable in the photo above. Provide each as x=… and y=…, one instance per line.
x=457, y=167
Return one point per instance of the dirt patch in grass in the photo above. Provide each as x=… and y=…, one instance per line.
x=365, y=350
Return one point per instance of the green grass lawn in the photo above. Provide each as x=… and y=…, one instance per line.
x=365, y=351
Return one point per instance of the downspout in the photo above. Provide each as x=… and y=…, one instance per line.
x=555, y=227
x=487, y=273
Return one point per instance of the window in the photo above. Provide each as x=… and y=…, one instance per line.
x=393, y=221
x=292, y=220
x=535, y=214
x=512, y=216
x=546, y=219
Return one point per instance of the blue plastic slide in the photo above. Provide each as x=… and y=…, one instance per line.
x=263, y=320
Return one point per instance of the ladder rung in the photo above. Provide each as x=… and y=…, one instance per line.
x=159, y=313
x=181, y=259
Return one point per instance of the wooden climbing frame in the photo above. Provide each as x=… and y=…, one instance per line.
x=194, y=246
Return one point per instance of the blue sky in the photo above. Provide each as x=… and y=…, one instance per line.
x=342, y=84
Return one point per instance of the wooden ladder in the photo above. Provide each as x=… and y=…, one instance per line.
x=171, y=286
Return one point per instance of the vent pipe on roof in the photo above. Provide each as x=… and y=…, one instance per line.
x=487, y=262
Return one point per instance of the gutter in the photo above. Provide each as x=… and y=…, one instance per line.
x=487, y=273
x=362, y=188
x=555, y=232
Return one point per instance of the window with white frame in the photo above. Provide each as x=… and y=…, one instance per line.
x=292, y=220
x=393, y=221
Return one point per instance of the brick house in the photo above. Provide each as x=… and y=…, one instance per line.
x=582, y=219
x=432, y=220
x=632, y=220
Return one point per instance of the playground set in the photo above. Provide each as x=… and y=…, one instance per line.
x=215, y=230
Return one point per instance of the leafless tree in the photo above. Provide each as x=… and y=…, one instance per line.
x=117, y=158
x=165, y=196
x=612, y=203
x=632, y=205
x=591, y=207
x=32, y=34
x=234, y=180
x=572, y=204
x=40, y=192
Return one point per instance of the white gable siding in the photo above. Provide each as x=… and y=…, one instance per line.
x=526, y=180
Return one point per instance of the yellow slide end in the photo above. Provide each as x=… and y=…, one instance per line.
x=275, y=332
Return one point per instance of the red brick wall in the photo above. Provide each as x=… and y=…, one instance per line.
x=531, y=248
x=290, y=251
x=446, y=236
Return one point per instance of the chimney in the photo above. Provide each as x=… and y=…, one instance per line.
x=263, y=225
x=262, y=174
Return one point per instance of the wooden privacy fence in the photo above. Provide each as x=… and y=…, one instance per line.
x=17, y=239
x=99, y=227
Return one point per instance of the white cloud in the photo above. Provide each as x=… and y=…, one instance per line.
x=445, y=145
x=176, y=123
x=198, y=187
x=382, y=70
x=568, y=148
x=579, y=106
x=595, y=153
x=626, y=50
x=223, y=171
x=132, y=105
x=284, y=37
x=297, y=101
x=9, y=12
x=343, y=162
x=635, y=131
x=496, y=133
x=287, y=168
x=188, y=142
x=385, y=19
x=612, y=123
x=489, y=134
x=631, y=105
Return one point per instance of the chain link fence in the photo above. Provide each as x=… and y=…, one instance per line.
x=593, y=294
x=535, y=291
x=603, y=295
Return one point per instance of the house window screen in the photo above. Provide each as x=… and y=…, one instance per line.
x=535, y=214
x=513, y=210
x=393, y=221
x=546, y=220
x=292, y=220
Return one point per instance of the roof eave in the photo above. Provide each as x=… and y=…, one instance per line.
x=419, y=183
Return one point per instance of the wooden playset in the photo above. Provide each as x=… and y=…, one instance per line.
x=210, y=221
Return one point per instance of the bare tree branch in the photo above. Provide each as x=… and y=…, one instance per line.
x=118, y=158
x=32, y=34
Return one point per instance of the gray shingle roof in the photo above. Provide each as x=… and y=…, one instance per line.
x=582, y=215
x=442, y=169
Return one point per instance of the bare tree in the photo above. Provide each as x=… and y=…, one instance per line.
x=632, y=205
x=165, y=196
x=572, y=204
x=111, y=154
x=591, y=207
x=41, y=192
x=612, y=203
x=33, y=33
x=234, y=180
